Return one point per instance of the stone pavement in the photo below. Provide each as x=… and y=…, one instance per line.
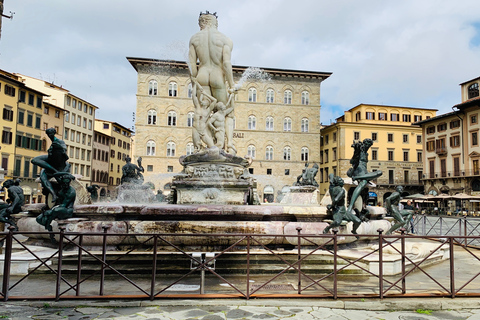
x=210, y=309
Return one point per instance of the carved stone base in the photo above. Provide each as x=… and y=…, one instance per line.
x=302, y=195
x=135, y=193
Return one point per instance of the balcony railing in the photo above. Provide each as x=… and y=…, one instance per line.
x=441, y=150
x=453, y=174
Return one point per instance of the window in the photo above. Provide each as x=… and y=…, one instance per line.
x=7, y=114
x=419, y=138
x=21, y=97
x=269, y=172
x=474, y=138
x=374, y=154
x=251, y=151
x=152, y=117
x=431, y=145
x=304, y=126
x=73, y=120
x=287, y=124
x=407, y=118
x=390, y=155
x=417, y=118
x=442, y=127
x=476, y=168
x=172, y=118
x=84, y=122
x=390, y=137
x=443, y=167
x=190, y=116
x=405, y=138
x=287, y=97
x=252, y=95
x=455, y=141
x=151, y=148
x=38, y=120
x=304, y=154
x=190, y=148
x=252, y=122
x=6, y=137
x=394, y=117
x=473, y=91
x=189, y=90
x=431, y=165
x=405, y=176
x=374, y=136
x=171, y=149
x=39, y=102
x=334, y=154
x=419, y=156
x=370, y=115
x=473, y=119
x=9, y=91
x=326, y=139
x=391, y=177
x=287, y=172
x=358, y=116
x=79, y=121
x=456, y=166
x=269, y=124
x=69, y=100
x=152, y=88
x=149, y=168
x=305, y=98
x=172, y=89
x=455, y=124
x=89, y=124
x=269, y=153
x=334, y=137
x=74, y=104
x=382, y=116
x=31, y=99
x=431, y=130
x=67, y=116
x=326, y=156
x=406, y=157
x=270, y=95
x=287, y=153
x=21, y=116
x=356, y=135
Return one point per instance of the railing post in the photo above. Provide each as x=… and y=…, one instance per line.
x=452, y=268
x=104, y=258
x=7, y=262
x=154, y=267
x=248, y=267
x=465, y=229
x=299, y=256
x=335, y=253
x=380, y=261
x=441, y=225
x=402, y=241
x=424, y=225
x=79, y=264
x=59, y=262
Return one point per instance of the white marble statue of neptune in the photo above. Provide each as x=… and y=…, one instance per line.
x=212, y=49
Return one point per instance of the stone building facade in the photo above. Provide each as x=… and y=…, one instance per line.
x=277, y=122
x=397, y=147
x=452, y=150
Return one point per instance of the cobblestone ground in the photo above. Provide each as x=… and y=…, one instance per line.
x=222, y=311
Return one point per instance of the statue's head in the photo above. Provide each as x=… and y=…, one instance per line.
x=368, y=142
x=128, y=159
x=51, y=132
x=339, y=181
x=221, y=106
x=399, y=189
x=8, y=183
x=315, y=166
x=207, y=19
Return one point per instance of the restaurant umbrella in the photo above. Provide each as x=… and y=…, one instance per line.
x=442, y=197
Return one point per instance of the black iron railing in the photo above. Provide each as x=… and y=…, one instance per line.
x=64, y=274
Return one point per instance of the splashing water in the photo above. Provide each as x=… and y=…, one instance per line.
x=255, y=74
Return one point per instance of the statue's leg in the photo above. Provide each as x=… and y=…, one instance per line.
x=356, y=194
x=44, y=178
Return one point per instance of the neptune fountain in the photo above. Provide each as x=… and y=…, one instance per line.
x=214, y=193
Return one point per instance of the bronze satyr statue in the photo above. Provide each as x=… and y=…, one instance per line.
x=14, y=203
x=307, y=178
x=93, y=190
x=391, y=204
x=337, y=208
x=53, y=162
x=63, y=208
x=132, y=173
x=358, y=172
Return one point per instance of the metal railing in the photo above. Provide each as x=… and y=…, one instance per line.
x=363, y=274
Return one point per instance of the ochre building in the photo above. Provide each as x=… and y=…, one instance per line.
x=277, y=122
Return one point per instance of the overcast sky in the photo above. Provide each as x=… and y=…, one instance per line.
x=406, y=53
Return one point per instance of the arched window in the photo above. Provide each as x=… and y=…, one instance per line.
x=287, y=97
x=287, y=124
x=152, y=88
x=251, y=151
x=190, y=119
x=172, y=118
x=473, y=91
x=269, y=124
x=304, y=154
x=152, y=117
x=189, y=90
x=93, y=175
x=268, y=194
x=252, y=95
x=287, y=153
x=304, y=125
x=171, y=149
x=172, y=89
x=190, y=148
x=270, y=95
x=269, y=153
x=252, y=122
x=151, y=148
x=305, y=97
